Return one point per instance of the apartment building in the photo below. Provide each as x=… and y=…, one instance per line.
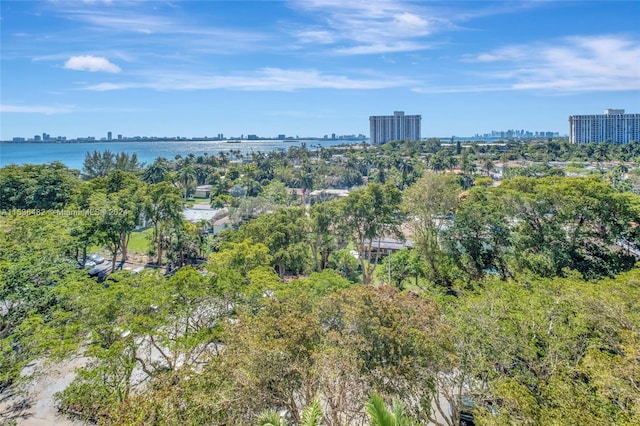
x=614, y=126
x=384, y=128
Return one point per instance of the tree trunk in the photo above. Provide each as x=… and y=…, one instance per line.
x=114, y=253
x=159, y=262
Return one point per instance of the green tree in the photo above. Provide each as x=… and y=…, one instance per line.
x=117, y=212
x=40, y=187
x=16, y=188
x=277, y=192
x=55, y=187
x=489, y=166
x=157, y=171
x=551, y=352
x=36, y=257
x=283, y=231
x=570, y=223
x=430, y=203
x=479, y=239
x=382, y=416
x=271, y=418
x=544, y=225
x=344, y=263
x=366, y=216
x=164, y=210
x=400, y=266
x=160, y=326
x=184, y=244
x=322, y=241
x=186, y=177
x=127, y=163
x=312, y=414
x=389, y=334
x=241, y=257
x=98, y=164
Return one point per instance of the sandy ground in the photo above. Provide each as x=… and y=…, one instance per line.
x=32, y=404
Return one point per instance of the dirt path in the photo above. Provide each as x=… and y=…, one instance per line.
x=34, y=404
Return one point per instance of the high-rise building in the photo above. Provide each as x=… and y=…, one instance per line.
x=614, y=126
x=384, y=128
x=109, y=136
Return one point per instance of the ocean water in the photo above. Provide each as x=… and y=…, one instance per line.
x=73, y=154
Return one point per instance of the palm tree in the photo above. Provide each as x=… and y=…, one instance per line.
x=186, y=176
x=163, y=210
x=436, y=162
x=382, y=416
x=201, y=172
x=405, y=166
x=489, y=166
x=452, y=162
x=271, y=418
x=156, y=172
x=311, y=416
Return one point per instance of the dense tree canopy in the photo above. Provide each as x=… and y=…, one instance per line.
x=515, y=300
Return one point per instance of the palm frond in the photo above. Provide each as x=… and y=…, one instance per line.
x=312, y=414
x=380, y=415
x=270, y=418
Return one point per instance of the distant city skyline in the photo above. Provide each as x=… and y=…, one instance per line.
x=311, y=67
x=493, y=134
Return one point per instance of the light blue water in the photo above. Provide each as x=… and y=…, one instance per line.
x=73, y=154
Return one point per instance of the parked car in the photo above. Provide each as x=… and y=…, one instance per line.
x=466, y=413
x=86, y=263
x=467, y=407
x=96, y=258
x=98, y=274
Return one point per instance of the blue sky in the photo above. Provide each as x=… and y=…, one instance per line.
x=311, y=67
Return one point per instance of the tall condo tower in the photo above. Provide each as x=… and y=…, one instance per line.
x=384, y=128
x=614, y=126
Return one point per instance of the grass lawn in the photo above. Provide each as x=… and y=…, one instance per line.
x=140, y=241
x=192, y=201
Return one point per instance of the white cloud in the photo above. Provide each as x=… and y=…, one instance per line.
x=479, y=88
x=185, y=33
x=410, y=23
x=368, y=27
x=572, y=64
x=119, y=22
x=316, y=36
x=364, y=27
x=265, y=79
x=381, y=48
x=35, y=109
x=91, y=63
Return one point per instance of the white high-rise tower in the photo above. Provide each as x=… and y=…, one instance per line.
x=614, y=126
x=384, y=128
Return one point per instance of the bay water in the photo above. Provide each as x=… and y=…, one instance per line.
x=72, y=154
